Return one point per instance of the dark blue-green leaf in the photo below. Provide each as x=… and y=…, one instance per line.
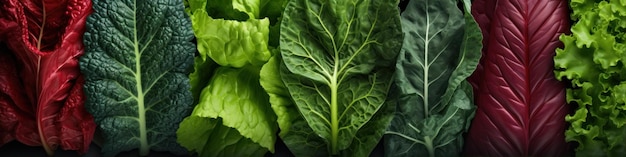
x=137, y=56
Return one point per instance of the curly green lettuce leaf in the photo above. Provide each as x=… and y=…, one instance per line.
x=137, y=55
x=441, y=49
x=235, y=98
x=232, y=43
x=236, y=36
x=593, y=60
x=338, y=63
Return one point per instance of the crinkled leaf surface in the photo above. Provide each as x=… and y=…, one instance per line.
x=232, y=43
x=338, y=57
x=593, y=61
x=224, y=141
x=45, y=38
x=232, y=103
x=441, y=49
x=203, y=70
x=294, y=130
x=136, y=65
x=521, y=106
x=233, y=95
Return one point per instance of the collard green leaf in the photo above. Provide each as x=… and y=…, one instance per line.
x=136, y=63
x=441, y=49
x=338, y=58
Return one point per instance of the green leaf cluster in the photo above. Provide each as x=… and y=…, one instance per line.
x=593, y=60
x=233, y=116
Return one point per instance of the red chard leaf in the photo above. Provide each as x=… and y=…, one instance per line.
x=46, y=39
x=521, y=106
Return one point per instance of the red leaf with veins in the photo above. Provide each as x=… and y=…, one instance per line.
x=46, y=39
x=14, y=118
x=521, y=106
x=77, y=125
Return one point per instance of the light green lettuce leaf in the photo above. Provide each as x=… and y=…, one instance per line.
x=203, y=70
x=234, y=36
x=225, y=141
x=232, y=43
x=235, y=97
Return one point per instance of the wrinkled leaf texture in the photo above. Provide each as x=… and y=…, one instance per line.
x=435, y=102
x=42, y=97
x=592, y=59
x=232, y=108
x=521, y=106
x=137, y=59
x=337, y=65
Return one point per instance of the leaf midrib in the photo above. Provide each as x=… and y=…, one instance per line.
x=335, y=79
x=144, y=147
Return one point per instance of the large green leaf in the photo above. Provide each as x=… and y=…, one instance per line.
x=339, y=58
x=137, y=56
x=441, y=49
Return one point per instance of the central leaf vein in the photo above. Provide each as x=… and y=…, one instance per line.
x=144, y=147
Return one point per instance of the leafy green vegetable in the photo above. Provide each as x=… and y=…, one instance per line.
x=338, y=63
x=231, y=97
x=442, y=47
x=295, y=132
x=593, y=60
x=237, y=44
x=233, y=116
x=136, y=58
x=225, y=141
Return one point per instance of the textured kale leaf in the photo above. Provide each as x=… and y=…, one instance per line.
x=136, y=65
